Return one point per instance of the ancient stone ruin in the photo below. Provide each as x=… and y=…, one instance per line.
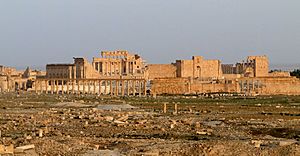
x=121, y=73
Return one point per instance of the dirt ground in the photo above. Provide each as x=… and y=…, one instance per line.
x=101, y=125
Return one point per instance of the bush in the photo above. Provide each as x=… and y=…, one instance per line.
x=296, y=73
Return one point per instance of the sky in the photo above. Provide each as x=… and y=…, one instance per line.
x=36, y=32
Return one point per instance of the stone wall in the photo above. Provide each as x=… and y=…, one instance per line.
x=208, y=69
x=185, y=68
x=281, y=86
x=279, y=74
x=60, y=71
x=199, y=68
x=3, y=83
x=161, y=71
x=261, y=65
x=170, y=86
x=262, y=86
x=204, y=87
x=190, y=86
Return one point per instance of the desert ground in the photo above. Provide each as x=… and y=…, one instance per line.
x=32, y=124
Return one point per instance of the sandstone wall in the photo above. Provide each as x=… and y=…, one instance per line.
x=201, y=87
x=209, y=69
x=199, y=68
x=161, y=71
x=281, y=86
x=262, y=86
x=279, y=74
x=185, y=68
x=261, y=65
x=3, y=83
x=189, y=86
x=59, y=71
x=170, y=86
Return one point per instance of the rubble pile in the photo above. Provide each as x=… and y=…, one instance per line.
x=84, y=126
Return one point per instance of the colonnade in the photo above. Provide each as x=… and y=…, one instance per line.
x=113, y=67
x=113, y=87
x=250, y=85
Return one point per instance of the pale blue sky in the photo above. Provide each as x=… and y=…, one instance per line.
x=37, y=32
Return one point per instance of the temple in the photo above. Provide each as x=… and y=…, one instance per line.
x=121, y=73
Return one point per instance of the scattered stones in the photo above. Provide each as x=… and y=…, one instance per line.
x=287, y=142
x=109, y=118
x=256, y=143
x=70, y=130
x=203, y=133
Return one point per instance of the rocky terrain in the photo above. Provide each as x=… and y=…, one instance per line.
x=88, y=125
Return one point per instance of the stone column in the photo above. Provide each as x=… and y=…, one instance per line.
x=127, y=69
x=101, y=67
x=140, y=88
x=100, y=86
x=57, y=89
x=41, y=86
x=241, y=89
x=117, y=87
x=123, y=88
x=52, y=86
x=121, y=68
x=145, y=87
x=74, y=72
x=83, y=83
x=81, y=72
x=73, y=85
x=111, y=88
x=110, y=64
x=134, y=82
x=105, y=87
x=78, y=86
x=70, y=72
x=165, y=107
x=175, y=108
x=94, y=86
x=68, y=86
x=62, y=86
x=128, y=87
x=114, y=69
x=46, y=86
x=248, y=86
x=89, y=86
x=106, y=69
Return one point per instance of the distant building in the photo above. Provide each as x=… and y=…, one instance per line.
x=111, y=64
x=121, y=73
x=13, y=80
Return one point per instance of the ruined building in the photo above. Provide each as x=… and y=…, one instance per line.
x=13, y=80
x=197, y=67
x=254, y=66
x=122, y=73
x=112, y=64
x=198, y=76
x=114, y=73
